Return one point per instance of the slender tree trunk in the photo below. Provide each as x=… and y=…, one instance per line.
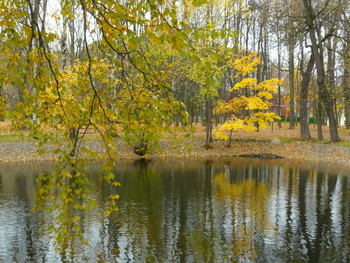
x=346, y=77
x=64, y=43
x=34, y=13
x=1, y=98
x=291, y=79
x=331, y=75
x=279, y=76
x=44, y=12
x=304, y=92
x=230, y=139
x=319, y=119
x=346, y=90
x=208, y=122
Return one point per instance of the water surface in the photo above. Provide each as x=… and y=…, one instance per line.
x=237, y=210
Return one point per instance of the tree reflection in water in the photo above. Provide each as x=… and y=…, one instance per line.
x=181, y=211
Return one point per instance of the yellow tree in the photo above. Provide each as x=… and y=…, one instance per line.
x=248, y=109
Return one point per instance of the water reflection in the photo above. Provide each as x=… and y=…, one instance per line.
x=189, y=211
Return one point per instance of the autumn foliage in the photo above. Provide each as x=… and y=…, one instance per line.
x=248, y=109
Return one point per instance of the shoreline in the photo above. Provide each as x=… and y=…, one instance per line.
x=14, y=152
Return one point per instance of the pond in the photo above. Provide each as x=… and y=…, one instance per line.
x=227, y=210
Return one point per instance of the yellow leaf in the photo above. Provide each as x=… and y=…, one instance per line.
x=116, y=184
x=116, y=196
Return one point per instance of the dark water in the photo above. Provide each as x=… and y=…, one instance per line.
x=237, y=210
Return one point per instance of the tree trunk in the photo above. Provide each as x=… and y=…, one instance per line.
x=208, y=122
x=34, y=12
x=304, y=91
x=1, y=98
x=346, y=80
x=319, y=119
x=346, y=90
x=291, y=44
x=331, y=76
x=317, y=51
x=64, y=41
x=279, y=76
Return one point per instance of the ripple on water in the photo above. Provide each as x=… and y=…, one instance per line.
x=244, y=213
x=11, y=215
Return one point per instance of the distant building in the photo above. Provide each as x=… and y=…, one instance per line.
x=284, y=112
